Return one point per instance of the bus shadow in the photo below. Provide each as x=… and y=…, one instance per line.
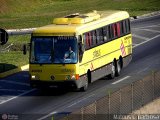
x=6, y=67
x=53, y=92
x=19, y=84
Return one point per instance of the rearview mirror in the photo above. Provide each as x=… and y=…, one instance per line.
x=81, y=45
x=81, y=48
x=3, y=37
x=24, y=49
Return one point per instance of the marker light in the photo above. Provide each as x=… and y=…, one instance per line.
x=36, y=77
x=33, y=76
x=77, y=76
x=74, y=77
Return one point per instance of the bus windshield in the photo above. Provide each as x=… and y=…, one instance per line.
x=57, y=49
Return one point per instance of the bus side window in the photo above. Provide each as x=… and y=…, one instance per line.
x=90, y=40
x=85, y=38
x=97, y=37
x=110, y=32
x=127, y=22
x=129, y=25
x=124, y=26
x=118, y=29
x=105, y=33
x=94, y=38
x=101, y=35
x=121, y=28
x=114, y=28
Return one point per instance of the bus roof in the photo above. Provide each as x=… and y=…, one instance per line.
x=80, y=23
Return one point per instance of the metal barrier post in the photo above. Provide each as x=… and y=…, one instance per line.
x=142, y=103
x=82, y=113
x=132, y=87
x=120, y=101
x=153, y=83
x=109, y=104
x=95, y=108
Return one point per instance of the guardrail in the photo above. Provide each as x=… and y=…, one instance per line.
x=121, y=102
x=20, y=31
x=4, y=34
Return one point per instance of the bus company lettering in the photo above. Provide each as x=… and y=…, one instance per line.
x=36, y=70
x=67, y=70
x=65, y=37
x=96, y=53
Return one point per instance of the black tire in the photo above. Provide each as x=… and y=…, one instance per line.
x=118, y=68
x=33, y=85
x=112, y=75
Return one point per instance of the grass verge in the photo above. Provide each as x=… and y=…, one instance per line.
x=12, y=59
x=34, y=13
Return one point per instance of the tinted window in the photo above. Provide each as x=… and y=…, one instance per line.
x=94, y=37
x=101, y=35
x=122, y=28
x=118, y=29
x=105, y=33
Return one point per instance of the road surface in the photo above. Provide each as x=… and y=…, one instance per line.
x=17, y=98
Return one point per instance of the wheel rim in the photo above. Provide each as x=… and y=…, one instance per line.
x=113, y=69
x=118, y=67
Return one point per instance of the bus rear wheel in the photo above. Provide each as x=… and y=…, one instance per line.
x=118, y=68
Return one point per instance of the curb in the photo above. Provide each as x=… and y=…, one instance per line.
x=13, y=71
x=145, y=15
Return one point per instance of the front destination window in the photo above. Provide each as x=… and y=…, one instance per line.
x=57, y=49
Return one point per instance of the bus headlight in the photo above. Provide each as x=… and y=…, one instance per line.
x=35, y=77
x=73, y=77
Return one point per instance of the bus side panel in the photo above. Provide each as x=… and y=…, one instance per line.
x=99, y=59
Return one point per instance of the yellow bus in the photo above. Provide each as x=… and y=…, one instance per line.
x=79, y=49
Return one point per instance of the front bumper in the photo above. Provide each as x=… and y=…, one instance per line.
x=60, y=83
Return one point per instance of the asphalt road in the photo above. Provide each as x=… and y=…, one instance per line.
x=18, y=100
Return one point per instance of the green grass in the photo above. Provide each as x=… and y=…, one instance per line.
x=34, y=13
x=5, y=67
x=12, y=59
